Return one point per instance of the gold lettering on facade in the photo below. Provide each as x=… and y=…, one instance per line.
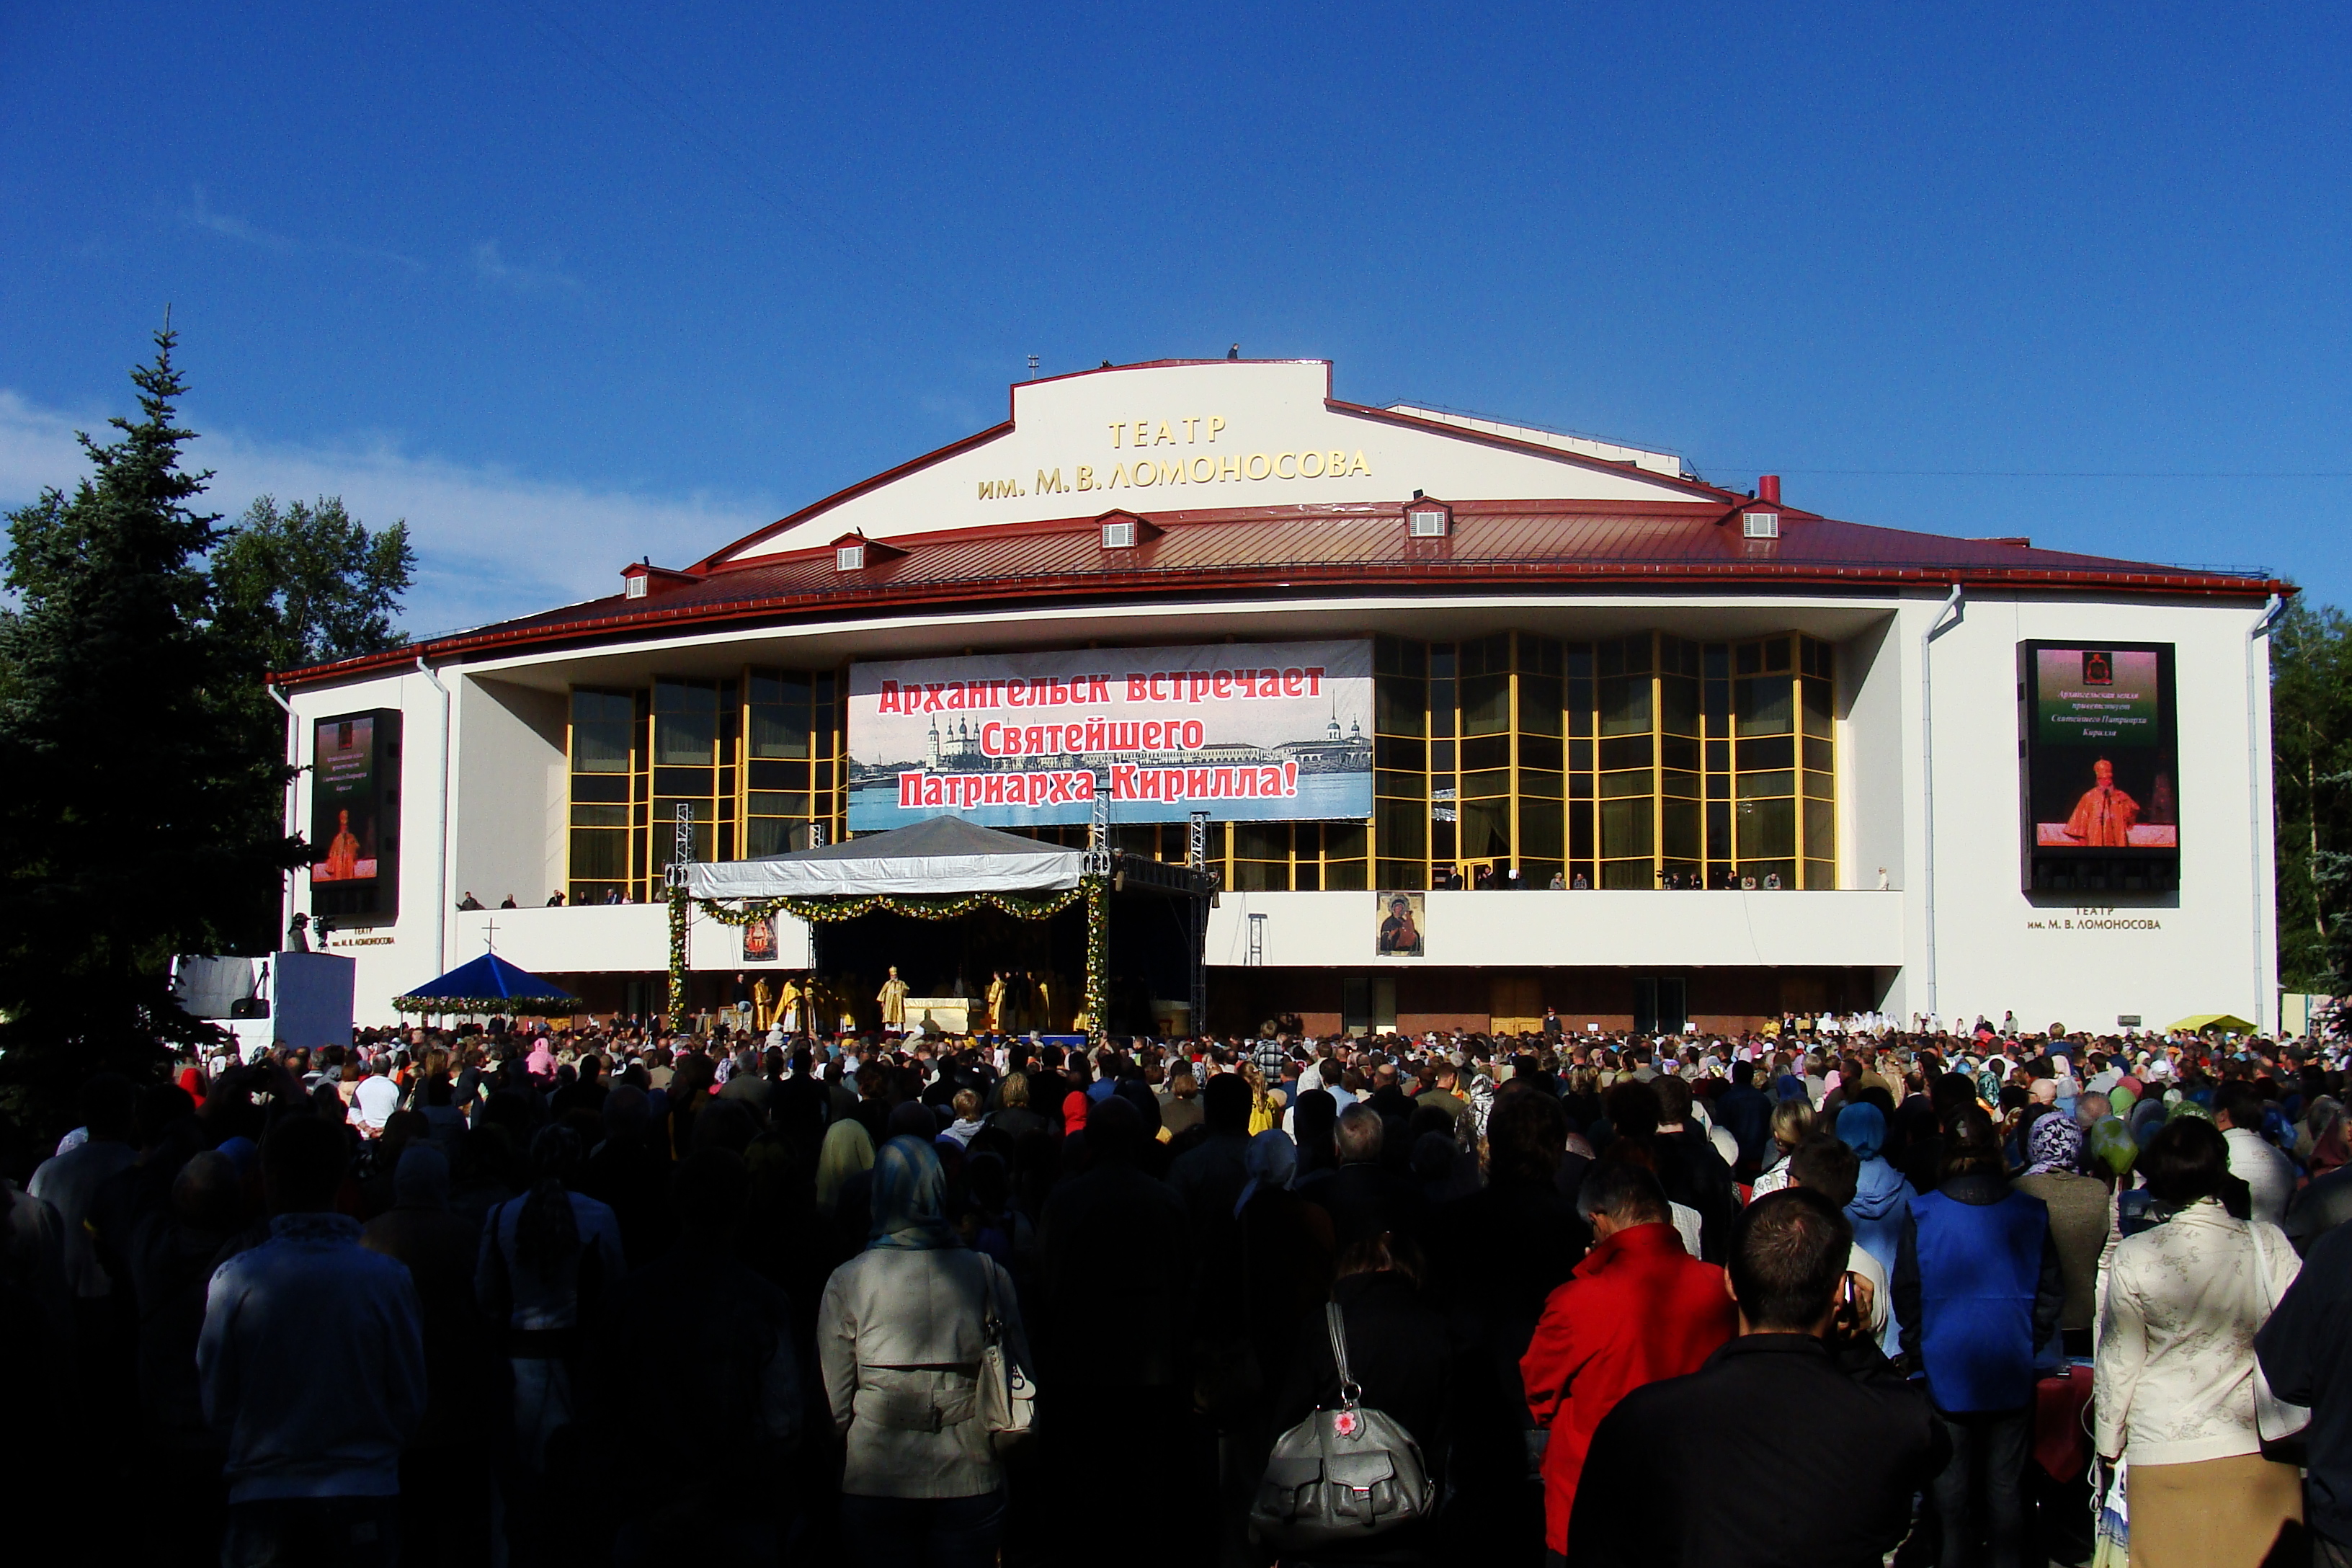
x=1334, y=464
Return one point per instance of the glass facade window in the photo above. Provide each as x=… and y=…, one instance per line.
x=754, y=759
x=1647, y=760
x=794, y=751
x=1250, y=857
x=1644, y=760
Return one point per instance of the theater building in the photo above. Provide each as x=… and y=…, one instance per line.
x=1481, y=719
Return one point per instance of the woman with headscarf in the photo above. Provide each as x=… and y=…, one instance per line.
x=901, y=1332
x=1268, y=1274
x=2330, y=1148
x=1271, y=1161
x=2078, y=1223
x=545, y=1258
x=1882, y=1196
x=847, y=1151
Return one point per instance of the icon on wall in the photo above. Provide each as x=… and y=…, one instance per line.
x=1404, y=934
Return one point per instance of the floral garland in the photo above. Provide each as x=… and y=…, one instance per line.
x=1097, y=957
x=677, y=908
x=944, y=906
x=512, y=1007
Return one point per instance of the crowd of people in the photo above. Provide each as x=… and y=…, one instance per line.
x=1817, y=1295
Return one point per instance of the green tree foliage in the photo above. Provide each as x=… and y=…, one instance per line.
x=143, y=783
x=307, y=584
x=2311, y=746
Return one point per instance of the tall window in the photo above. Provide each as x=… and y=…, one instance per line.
x=1403, y=810
x=792, y=741
x=1636, y=762
x=695, y=730
x=607, y=796
x=756, y=760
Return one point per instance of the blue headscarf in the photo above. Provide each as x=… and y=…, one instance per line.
x=1861, y=1128
x=1271, y=1161
x=910, y=1197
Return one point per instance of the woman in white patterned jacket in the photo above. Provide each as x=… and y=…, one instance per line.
x=2175, y=1371
x=899, y=1335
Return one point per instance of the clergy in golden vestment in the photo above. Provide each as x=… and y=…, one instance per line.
x=893, y=997
x=342, y=863
x=2105, y=817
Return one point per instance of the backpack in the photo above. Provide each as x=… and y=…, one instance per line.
x=1345, y=1473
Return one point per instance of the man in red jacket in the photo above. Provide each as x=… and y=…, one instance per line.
x=1638, y=1308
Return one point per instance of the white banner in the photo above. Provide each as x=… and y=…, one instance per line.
x=1242, y=730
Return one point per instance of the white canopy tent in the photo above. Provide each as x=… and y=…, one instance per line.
x=940, y=855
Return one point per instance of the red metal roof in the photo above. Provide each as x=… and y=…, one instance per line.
x=1697, y=489
x=1270, y=552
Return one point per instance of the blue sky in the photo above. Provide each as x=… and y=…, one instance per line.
x=568, y=285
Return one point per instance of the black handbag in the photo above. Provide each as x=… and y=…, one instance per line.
x=1345, y=1473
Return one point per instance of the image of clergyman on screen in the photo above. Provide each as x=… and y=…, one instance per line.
x=2109, y=817
x=2103, y=773
x=344, y=801
x=1402, y=932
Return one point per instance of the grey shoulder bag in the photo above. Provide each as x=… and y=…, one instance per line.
x=1345, y=1473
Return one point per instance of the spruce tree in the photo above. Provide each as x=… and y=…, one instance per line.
x=143, y=791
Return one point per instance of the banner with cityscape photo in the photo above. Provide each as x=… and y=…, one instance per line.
x=1244, y=732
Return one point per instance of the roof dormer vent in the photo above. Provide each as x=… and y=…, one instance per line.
x=1760, y=524
x=1126, y=530
x=853, y=551
x=1426, y=519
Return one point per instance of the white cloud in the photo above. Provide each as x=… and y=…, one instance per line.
x=490, y=542
x=228, y=227
x=495, y=270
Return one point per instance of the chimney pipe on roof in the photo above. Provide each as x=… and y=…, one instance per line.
x=1767, y=487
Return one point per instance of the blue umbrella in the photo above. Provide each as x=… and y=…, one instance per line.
x=488, y=984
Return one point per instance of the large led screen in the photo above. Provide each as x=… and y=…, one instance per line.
x=354, y=805
x=2101, y=762
x=1278, y=731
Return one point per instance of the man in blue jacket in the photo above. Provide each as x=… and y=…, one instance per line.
x=313, y=1368
x=1976, y=1289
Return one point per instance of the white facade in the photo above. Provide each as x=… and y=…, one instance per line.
x=500, y=779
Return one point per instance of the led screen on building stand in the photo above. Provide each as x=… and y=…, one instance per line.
x=2100, y=776
x=355, y=816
